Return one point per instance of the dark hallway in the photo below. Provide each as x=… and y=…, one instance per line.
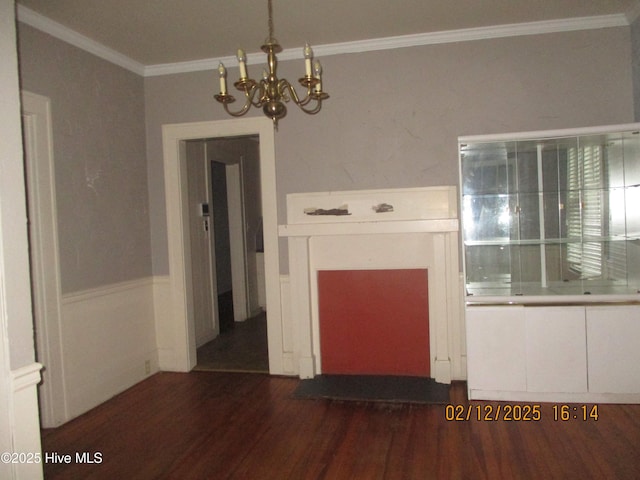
x=241, y=348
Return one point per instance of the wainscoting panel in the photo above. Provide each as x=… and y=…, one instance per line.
x=109, y=341
x=289, y=364
x=165, y=327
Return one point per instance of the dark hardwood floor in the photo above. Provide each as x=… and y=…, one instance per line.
x=206, y=425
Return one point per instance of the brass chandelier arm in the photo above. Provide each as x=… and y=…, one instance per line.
x=239, y=113
x=305, y=101
x=314, y=110
x=284, y=85
x=255, y=94
x=249, y=89
x=260, y=90
x=226, y=99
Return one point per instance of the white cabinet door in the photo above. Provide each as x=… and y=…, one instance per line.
x=496, y=348
x=556, y=349
x=613, y=345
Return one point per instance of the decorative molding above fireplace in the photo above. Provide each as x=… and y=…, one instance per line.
x=377, y=229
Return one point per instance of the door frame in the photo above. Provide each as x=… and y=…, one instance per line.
x=179, y=318
x=44, y=256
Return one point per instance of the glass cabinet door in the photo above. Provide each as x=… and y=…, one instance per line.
x=552, y=215
x=488, y=179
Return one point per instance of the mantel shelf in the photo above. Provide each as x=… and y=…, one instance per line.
x=367, y=228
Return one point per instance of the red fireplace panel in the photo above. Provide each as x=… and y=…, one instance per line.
x=374, y=322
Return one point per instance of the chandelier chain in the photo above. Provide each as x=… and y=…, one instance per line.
x=271, y=39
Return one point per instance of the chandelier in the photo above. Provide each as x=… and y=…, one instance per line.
x=270, y=92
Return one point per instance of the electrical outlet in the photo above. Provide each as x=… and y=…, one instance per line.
x=147, y=367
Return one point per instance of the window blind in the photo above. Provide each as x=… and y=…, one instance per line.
x=584, y=210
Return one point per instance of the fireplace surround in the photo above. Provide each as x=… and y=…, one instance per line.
x=395, y=229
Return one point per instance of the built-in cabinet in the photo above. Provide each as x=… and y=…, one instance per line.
x=549, y=213
x=612, y=348
x=551, y=248
x=553, y=353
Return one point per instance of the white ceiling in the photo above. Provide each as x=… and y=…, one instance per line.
x=153, y=32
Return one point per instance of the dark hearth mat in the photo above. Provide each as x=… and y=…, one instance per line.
x=374, y=388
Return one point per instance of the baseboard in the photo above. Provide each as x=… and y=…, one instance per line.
x=164, y=326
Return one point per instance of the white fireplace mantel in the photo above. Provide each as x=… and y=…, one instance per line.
x=415, y=228
x=369, y=228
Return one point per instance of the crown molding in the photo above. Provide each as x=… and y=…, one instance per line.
x=388, y=43
x=472, y=34
x=57, y=30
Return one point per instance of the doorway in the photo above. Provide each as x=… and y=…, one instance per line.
x=225, y=228
x=237, y=215
x=176, y=329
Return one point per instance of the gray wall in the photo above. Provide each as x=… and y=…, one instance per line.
x=100, y=158
x=392, y=121
x=394, y=116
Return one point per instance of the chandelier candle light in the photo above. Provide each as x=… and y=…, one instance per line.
x=270, y=93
